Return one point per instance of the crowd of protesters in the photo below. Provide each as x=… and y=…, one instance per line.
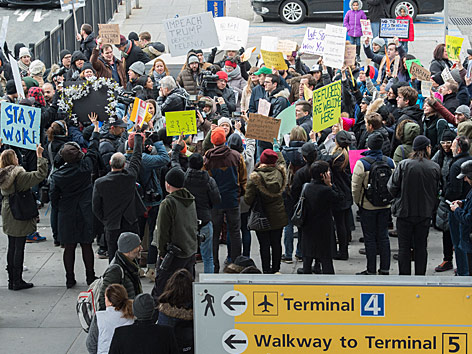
x=157, y=205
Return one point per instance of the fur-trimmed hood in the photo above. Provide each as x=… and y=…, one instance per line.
x=270, y=180
x=358, y=1
x=176, y=312
x=375, y=106
x=8, y=175
x=283, y=93
x=407, y=131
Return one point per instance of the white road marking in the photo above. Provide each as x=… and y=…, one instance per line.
x=17, y=12
x=38, y=17
x=24, y=15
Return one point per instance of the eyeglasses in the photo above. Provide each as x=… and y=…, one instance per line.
x=448, y=142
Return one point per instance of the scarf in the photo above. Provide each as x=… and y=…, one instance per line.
x=127, y=50
x=37, y=94
x=234, y=74
x=23, y=68
x=157, y=77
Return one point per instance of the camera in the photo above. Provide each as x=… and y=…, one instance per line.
x=151, y=196
x=172, y=251
x=127, y=97
x=208, y=83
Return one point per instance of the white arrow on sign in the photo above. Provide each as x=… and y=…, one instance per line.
x=234, y=303
x=234, y=341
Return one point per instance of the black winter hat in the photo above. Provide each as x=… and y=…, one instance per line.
x=309, y=151
x=88, y=65
x=235, y=143
x=133, y=36
x=448, y=135
x=343, y=138
x=397, y=85
x=375, y=141
x=63, y=53
x=175, y=177
x=195, y=161
x=420, y=143
x=11, y=87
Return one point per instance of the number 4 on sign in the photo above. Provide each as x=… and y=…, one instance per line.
x=372, y=305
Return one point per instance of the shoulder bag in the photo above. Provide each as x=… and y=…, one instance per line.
x=23, y=204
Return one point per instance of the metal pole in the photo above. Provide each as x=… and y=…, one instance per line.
x=128, y=8
x=136, y=5
x=446, y=18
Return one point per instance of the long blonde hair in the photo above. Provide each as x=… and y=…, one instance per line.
x=342, y=152
x=7, y=158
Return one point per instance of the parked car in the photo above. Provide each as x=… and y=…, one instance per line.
x=295, y=11
x=53, y=3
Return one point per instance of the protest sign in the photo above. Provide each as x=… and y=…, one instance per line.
x=326, y=106
x=274, y=60
x=313, y=42
x=286, y=46
x=263, y=107
x=17, y=77
x=390, y=27
x=66, y=5
x=3, y=30
x=263, y=128
x=288, y=120
x=307, y=93
x=139, y=112
x=447, y=76
x=408, y=64
x=95, y=101
x=396, y=66
x=187, y=32
x=247, y=54
x=426, y=88
x=419, y=72
x=232, y=32
x=335, y=42
x=350, y=54
x=20, y=125
x=181, y=122
x=366, y=29
x=269, y=43
x=109, y=33
x=354, y=156
x=453, y=47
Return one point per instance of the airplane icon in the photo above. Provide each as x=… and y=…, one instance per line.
x=265, y=303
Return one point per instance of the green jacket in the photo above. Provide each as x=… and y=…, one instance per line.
x=270, y=182
x=24, y=181
x=177, y=223
x=407, y=131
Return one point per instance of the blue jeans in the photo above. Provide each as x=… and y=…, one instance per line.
x=375, y=229
x=206, y=247
x=355, y=40
x=375, y=28
x=461, y=255
x=288, y=240
x=233, y=222
x=246, y=238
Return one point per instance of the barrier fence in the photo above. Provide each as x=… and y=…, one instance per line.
x=63, y=35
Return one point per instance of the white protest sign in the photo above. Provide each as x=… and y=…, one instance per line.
x=335, y=42
x=426, y=88
x=313, y=42
x=270, y=43
x=263, y=107
x=232, y=32
x=446, y=75
x=16, y=77
x=66, y=5
x=247, y=54
x=286, y=46
x=3, y=30
x=390, y=27
x=366, y=29
x=187, y=32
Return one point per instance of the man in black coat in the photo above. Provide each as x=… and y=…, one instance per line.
x=457, y=189
x=131, y=52
x=414, y=184
x=171, y=98
x=144, y=336
x=115, y=200
x=449, y=91
x=377, y=10
x=407, y=107
x=87, y=40
x=111, y=141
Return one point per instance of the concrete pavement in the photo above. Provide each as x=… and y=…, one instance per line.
x=43, y=319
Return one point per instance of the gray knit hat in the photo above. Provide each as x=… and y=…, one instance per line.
x=138, y=67
x=143, y=306
x=464, y=110
x=128, y=241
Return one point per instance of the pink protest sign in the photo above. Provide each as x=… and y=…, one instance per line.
x=354, y=156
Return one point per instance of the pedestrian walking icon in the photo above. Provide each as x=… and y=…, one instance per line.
x=210, y=300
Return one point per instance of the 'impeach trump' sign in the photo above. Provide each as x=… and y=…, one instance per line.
x=20, y=125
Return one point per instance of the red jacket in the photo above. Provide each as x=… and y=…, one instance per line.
x=411, y=32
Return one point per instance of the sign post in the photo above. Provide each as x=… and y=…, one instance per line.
x=260, y=314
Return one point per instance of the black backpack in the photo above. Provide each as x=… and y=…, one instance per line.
x=376, y=192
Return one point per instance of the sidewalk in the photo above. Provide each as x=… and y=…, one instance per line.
x=43, y=319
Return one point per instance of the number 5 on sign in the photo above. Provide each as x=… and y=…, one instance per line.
x=454, y=343
x=181, y=122
x=372, y=305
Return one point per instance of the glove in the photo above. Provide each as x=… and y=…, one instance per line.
x=213, y=51
x=241, y=51
x=276, y=146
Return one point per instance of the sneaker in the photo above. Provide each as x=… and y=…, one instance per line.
x=362, y=251
x=316, y=268
x=298, y=258
x=102, y=254
x=141, y=273
x=56, y=243
x=446, y=265
x=151, y=274
x=384, y=272
x=393, y=233
x=35, y=237
x=365, y=272
x=287, y=260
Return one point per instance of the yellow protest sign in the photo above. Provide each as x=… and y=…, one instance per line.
x=326, y=106
x=453, y=47
x=274, y=60
x=139, y=114
x=307, y=93
x=181, y=122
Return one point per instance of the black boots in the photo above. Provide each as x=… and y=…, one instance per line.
x=70, y=280
x=90, y=276
x=10, y=277
x=18, y=282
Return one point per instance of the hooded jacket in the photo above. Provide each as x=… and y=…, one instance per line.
x=73, y=72
x=352, y=20
x=177, y=224
x=87, y=45
x=269, y=182
x=406, y=132
x=414, y=113
x=228, y=169
x=24, y=180
x=188, y=79
x=278, y=100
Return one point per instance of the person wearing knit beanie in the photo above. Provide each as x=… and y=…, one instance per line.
x=175, y=177
x=421, y=143
x=195, y=161
x=375, y=141
x=269, y=157
x=218, y=136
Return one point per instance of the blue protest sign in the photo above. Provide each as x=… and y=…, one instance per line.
x=20, y=125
